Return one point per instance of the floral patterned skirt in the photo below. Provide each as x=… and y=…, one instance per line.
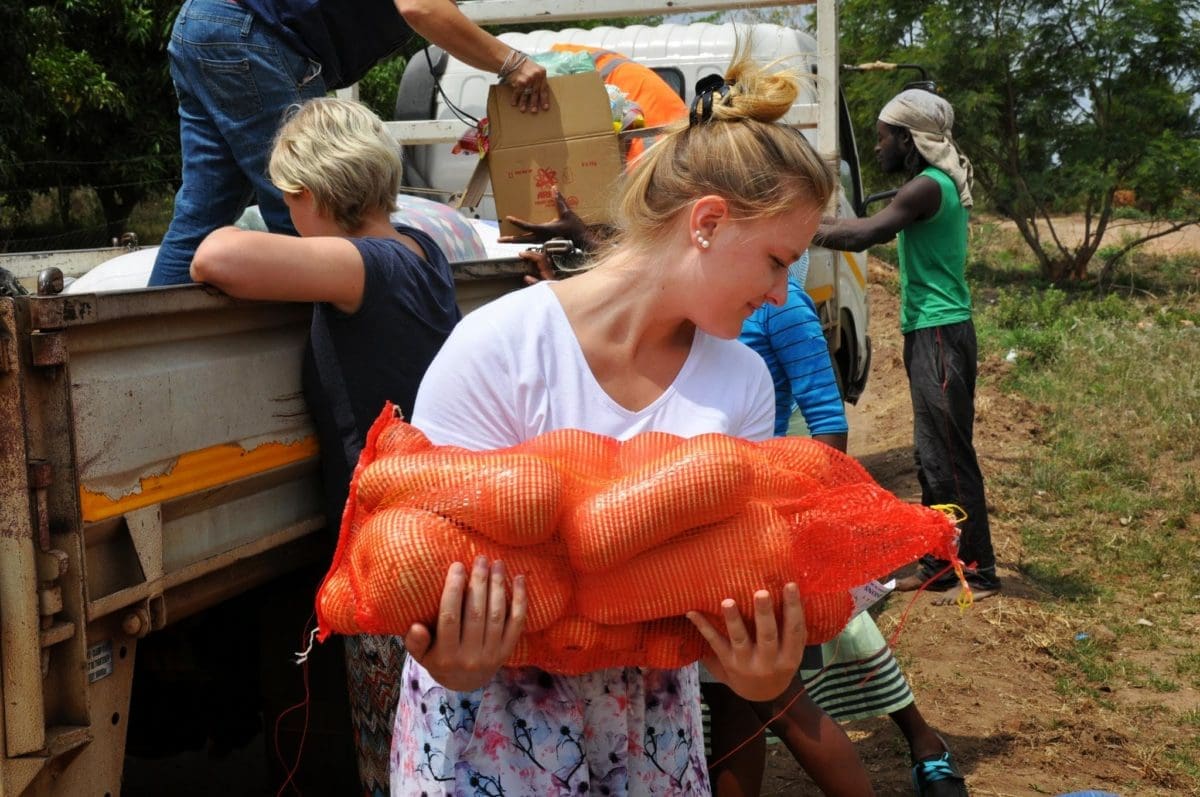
x=611, y=732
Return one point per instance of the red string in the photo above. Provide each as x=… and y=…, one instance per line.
x=924, y=586
x=713, y=765
x=305, y=704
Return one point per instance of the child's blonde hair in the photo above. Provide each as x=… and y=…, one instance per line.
x=737, y=152
x=340, y=151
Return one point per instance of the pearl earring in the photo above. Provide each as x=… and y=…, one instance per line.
x=704, y=242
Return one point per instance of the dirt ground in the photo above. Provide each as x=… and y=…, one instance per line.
x=983, y=678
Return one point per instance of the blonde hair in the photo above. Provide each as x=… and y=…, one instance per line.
x=739, y=153
x=340, y=151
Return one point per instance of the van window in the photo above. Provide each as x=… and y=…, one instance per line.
x=673, y=78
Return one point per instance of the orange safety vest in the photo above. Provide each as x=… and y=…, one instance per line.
x=659, y=103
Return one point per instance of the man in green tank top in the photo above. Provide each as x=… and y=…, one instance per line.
x=929, y=217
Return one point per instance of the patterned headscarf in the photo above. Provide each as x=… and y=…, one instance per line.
x=930, y=119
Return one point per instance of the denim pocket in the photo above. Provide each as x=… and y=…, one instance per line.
x=232, y=86
x=303, y=70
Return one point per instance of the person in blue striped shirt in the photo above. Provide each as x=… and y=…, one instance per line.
x=790, y=339
x=855, y=675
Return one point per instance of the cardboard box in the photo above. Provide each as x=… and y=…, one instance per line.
x=573, y=145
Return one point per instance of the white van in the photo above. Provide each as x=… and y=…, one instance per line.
x=681, y=55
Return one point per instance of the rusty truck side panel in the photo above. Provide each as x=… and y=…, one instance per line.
x=156, y=458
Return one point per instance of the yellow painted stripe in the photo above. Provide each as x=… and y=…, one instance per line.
x=821, y=293
x=858, y=275
x=195, y=471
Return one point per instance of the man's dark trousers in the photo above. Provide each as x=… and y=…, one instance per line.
x=941, y=366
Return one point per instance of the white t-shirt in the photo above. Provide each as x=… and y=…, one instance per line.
x=513, y=369
x=510, y=371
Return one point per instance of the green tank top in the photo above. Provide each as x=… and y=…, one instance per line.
x=933, y=260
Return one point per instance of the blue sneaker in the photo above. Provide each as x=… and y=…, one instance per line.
x=938, y=776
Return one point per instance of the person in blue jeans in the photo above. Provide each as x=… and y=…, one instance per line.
x=238, y=66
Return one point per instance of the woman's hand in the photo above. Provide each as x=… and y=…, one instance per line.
x=530, y=92
x=756, y=668
x=476, y=627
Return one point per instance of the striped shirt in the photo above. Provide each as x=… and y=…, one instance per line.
x=789, y=338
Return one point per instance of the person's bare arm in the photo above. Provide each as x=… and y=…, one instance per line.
x=917, y=200
x=568, y=225
x=541, y=267
x=837, y=441
x=442, y=23
x=264, y=265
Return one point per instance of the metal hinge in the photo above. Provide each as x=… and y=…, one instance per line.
x=48, y=348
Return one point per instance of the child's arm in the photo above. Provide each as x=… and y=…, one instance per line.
x=263, y=265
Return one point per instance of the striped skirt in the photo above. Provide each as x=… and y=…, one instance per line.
x=859, y=677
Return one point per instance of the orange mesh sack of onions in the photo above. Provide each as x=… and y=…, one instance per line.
x=617, y=539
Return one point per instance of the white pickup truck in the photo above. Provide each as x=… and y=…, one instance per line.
x=156, y=456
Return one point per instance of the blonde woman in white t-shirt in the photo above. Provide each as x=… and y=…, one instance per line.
x=710, y=218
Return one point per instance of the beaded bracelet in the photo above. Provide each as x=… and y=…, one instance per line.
x=506, y=67
x=511, y=64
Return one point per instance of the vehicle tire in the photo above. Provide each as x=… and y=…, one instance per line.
x=416, y=100
x=844, y=358
x=417, y=93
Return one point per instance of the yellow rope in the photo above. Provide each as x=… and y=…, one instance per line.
x=965, y=597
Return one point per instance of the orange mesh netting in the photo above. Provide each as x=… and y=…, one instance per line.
x=617, y=540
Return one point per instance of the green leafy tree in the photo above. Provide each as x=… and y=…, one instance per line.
x=16, y=117
x=1059, y=105
x=97, y=107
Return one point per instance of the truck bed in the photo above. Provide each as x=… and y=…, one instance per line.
x=157, y=458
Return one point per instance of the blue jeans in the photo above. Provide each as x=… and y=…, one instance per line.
x=235, y=80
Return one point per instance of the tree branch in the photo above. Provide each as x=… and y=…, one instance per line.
x=1110, y=262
